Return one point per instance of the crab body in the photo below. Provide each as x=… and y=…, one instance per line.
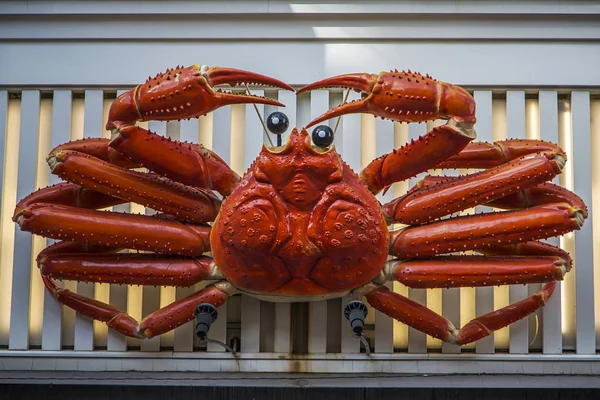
x=300, y=225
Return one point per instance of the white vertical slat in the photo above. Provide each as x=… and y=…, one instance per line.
x=220, y=144
x=351, y=151
x=451, y=311
x=335, y=99
x=417, y=341
x=384, y=325
x=536, y=319
x=515, y=123
x=84, y=326
x=36, y=306
x=117, y=295
x=282, y=322
x=567, y=241
x=250, y=325
x=484, y=296
x=349, y=133
x=151, y=294
x=595, y=148
x=4, y=267
x=250, y=320
x=551, y=313
x=52, y=330
x=311, y=105
x=254, y=131
x=3, y=129
x=584, y=273
x=19, y=312
x=168, y=294
x=183, y=337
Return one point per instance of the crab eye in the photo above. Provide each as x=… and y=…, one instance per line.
x=277, y=122
x=322, y=136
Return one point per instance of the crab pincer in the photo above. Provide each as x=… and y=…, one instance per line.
x=181, y=93
x=187, y=92
x=406, y=96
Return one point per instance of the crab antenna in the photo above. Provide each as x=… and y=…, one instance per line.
x=340, y=117
x=261, y=119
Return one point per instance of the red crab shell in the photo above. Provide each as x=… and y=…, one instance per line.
x=300, y=223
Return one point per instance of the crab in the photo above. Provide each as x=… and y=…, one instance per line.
x=300, y=225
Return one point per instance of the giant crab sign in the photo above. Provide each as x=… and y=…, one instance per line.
x=300, y=225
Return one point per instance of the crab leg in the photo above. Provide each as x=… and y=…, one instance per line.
x=188, y=163
x=97, y=148
x=190, y=204
x=472, y=271
x=481, y=231
x=407, y=97
x=186, y=92
x=120, y=230
x=68, y=194
x=433, y=324
x=486, y=155
x=182, y=92
x=81, y=262
x=415, y=157
x=160, y=321
x=545, y=193
x=458, y=194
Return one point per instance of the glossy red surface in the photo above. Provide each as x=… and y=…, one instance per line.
x=300, y=223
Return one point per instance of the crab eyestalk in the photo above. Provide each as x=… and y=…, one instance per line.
x=187, y=92
x=400, y=96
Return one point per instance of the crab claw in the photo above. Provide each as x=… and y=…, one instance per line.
x=187, y=92
x=400, y=96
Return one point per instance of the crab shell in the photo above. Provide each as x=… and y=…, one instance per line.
x=300, y=226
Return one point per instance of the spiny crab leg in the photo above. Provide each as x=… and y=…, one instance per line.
x=545, y=193
x=487, y=155
x=425, y=320
x=473, y=232
x=158, y=322
x=185, y=203
x=186, y=92
x=112, y=229
x=407, y=97
x=400, y=96
x=429, y=203
x=68, y=194
x=189, y=163
x=536, y=263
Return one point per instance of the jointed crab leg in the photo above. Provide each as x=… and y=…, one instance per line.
x=401, y=96
x=186, y=92
x=472, y=271
x=130, y=269
x=473, y=232
x=70, y=260
x=120, y=230
x=407, y=97
x=97, y=148
x=68, y=194
x=188, y=163
x=433, y=324
x=190, y=204
x=416, y=157
x=159, y=322
x=429, y=203
x=486, y=155
x=545, y=193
